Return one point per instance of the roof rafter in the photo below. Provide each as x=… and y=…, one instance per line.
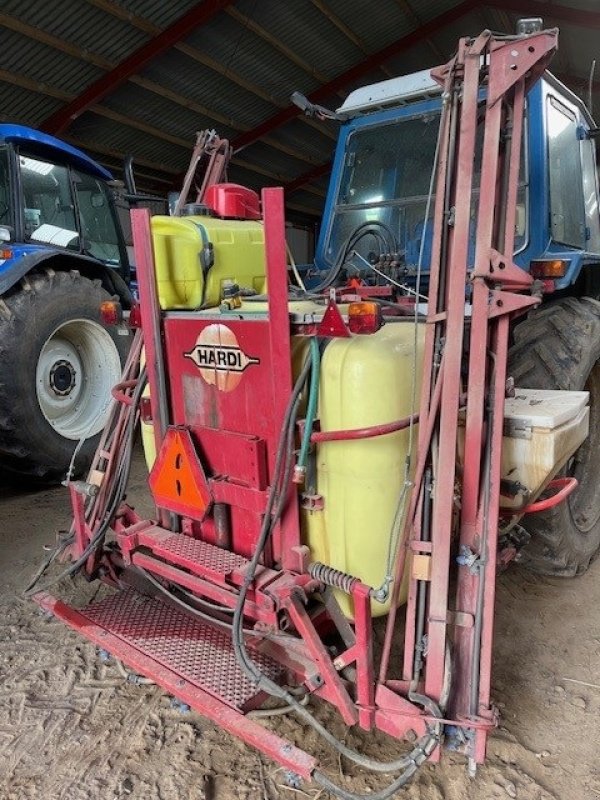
x=200, y=14
x=117, y=11
x=364, y=67
x=346, y=30
x=151, y=86
x=292, y=186
x=122, y=119
x=272, y=40
x=409, y=11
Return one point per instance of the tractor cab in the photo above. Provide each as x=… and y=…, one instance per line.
x=380, y=201
x=54, y=197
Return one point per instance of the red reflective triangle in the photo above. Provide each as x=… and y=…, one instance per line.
x=332, y=323
x=177, y=479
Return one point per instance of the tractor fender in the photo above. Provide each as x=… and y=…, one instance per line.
x=25, y=261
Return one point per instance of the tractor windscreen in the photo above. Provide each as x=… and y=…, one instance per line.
x=385, y=180
x=67, y=208
x=6, y=211
x=49, y=211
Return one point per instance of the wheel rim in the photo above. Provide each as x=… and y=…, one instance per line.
x=78, y=365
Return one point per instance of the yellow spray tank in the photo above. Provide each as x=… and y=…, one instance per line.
x=365, y=380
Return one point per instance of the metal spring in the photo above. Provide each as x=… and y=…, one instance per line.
x=332, y=577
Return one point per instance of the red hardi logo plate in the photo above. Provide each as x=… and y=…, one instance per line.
x=219, y=357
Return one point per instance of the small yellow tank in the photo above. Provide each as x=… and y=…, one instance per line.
x=238, y=249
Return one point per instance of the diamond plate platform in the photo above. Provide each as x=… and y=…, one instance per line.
x=130, y=615
x=183, y=548
x=197, y=651
x=193, y=554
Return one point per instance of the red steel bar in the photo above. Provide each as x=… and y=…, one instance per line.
x=364, y=433
x=273, y=210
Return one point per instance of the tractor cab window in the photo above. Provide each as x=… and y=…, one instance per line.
x=49, y=211
x=386, y=179
x=5, y=200
x=100, y=238
x=564, y=166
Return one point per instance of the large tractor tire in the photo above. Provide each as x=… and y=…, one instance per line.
x=558, y=347
x=58, y=363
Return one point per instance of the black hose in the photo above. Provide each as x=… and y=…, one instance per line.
x=273, y=511
x=370, y=228
x=279, y=492
x=113, y=502
x=221, y=623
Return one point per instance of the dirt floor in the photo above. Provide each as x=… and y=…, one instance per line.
x=71, y=728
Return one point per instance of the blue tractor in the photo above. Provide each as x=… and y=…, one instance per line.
x=376, y=229
x=64, y=276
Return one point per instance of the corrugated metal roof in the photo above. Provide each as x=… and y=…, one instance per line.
x=22, y=55
x=128, y=140
x=80, y=24
x=191, y=79
x=241, y=51
x=23, y=106
x=308, y=140
x=387, y=22
x=70, y=44
x=301, y=27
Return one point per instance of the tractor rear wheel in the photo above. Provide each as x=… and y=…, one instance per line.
x=58, y=363
x=558, y=347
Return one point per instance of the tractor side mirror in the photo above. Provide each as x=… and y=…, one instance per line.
x=313, y=110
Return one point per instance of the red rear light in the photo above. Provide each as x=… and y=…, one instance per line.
x=111, y=312
x=135, y=316
x=364, y=317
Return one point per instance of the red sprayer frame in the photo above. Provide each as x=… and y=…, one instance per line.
x=228, y=443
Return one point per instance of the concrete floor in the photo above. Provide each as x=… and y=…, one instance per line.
x=71, y=728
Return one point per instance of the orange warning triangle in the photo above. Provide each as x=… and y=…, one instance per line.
x=177, y=479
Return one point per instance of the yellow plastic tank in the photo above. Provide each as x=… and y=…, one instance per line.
x=238, y=248
x=365, y=380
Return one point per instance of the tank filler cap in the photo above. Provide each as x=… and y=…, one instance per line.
x=232, y=201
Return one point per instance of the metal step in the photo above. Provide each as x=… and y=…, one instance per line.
x=199, y=652
x=190, y=662
x=220, y=566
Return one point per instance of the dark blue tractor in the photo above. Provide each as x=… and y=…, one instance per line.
x=377, y=228
x=62, y=256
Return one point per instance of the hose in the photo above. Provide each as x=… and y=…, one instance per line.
x=188, y=607
x=273, y=511
x=372, y=228
x=313, y=397
x=111, y=506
